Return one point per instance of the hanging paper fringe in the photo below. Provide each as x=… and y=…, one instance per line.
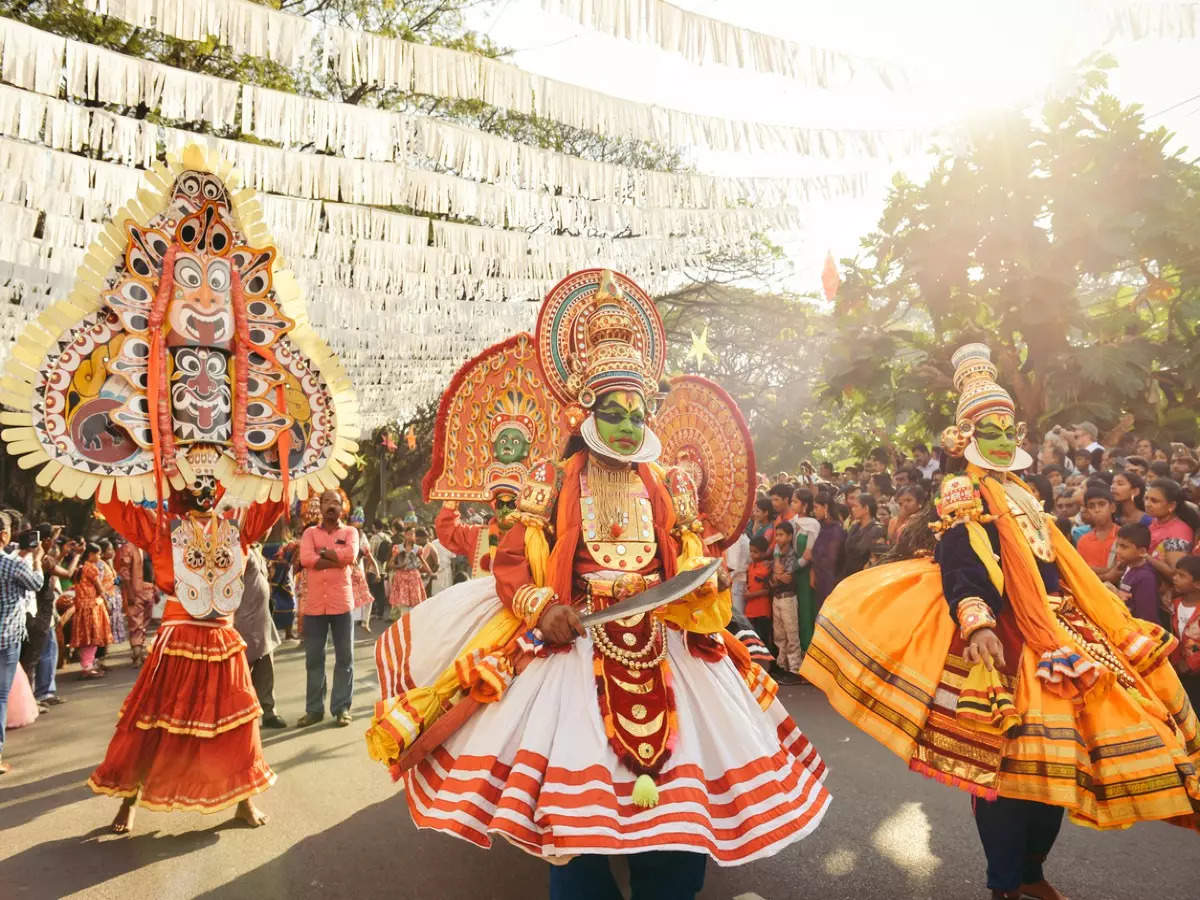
x=393, y=63
x=701, y=39
x=358, y=132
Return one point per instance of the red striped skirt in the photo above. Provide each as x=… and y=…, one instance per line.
x=188, y=734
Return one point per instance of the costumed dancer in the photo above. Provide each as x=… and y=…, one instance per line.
x=1005, y=668
x=174, y=373
x=651, y=736
x=188, y=733
x=520, y=421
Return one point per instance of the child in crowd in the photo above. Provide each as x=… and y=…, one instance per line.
x=784, y=615
x=1185, y=623
x=1139, y=585
x=1098, y=546
x=758, y=590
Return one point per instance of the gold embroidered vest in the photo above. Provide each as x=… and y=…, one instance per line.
x=617, y=520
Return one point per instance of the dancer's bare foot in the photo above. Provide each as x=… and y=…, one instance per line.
x=250, y=814
x=123, y=823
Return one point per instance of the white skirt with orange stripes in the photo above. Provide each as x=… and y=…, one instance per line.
x=536, y=768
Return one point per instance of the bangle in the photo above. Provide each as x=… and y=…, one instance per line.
x=530, y=601
x=974, y=614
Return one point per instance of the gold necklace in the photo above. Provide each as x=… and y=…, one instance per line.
x=609, y=491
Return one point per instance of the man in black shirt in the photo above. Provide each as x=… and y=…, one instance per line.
x=39, y=652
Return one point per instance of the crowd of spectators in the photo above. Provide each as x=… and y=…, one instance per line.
x=1128, y=504
x=69, y=604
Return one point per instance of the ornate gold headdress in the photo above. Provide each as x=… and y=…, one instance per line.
x=599, y=332
x=979, y=395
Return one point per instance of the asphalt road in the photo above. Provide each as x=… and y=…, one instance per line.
x=339, y=827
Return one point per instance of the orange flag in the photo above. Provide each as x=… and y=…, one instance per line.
x=830, y=280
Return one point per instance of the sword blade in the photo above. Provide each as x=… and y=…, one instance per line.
x=659, y=595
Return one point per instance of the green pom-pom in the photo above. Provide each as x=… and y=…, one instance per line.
x=645, y=792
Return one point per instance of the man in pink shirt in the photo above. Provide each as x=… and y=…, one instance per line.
x=327, y=551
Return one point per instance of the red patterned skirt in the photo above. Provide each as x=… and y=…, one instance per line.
x=406, y=588
x=188, y=735
x=90, y=625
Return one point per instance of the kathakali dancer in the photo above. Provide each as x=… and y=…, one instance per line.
x=493, y=419
x=1004, y=667
x=652, y=735
x=176, y=372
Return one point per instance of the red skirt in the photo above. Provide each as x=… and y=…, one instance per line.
x=406, y=588
x=188, y=736
x=90, y=624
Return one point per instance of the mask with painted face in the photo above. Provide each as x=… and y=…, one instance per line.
x=987, y=433
x=621, y=422
x=504, y=505
x=996, y=438
x=511, y=445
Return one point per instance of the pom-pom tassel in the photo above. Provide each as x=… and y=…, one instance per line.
x=645, y=792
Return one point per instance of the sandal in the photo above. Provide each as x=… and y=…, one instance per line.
x=5, y=768
x=93, y=673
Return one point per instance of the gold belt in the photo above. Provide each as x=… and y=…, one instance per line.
x=613, y=587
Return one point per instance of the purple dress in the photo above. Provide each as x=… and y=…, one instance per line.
x=828, y=559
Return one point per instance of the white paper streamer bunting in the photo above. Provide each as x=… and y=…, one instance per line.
x=701, y=39
x=393, y=63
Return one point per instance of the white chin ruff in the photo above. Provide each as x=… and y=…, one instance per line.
x=1021, y=460
x=649, y=452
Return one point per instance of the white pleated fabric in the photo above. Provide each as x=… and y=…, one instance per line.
x=536, y=768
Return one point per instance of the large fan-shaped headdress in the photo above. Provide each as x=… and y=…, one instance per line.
x=703, y=432
x=500, y=394
x=598, y=331
x=181, y=338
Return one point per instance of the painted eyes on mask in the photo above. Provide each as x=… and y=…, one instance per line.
x=218, y=276
x=187, y=273
x=993, y=433
x=616, y=417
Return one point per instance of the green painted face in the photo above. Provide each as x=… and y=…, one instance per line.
x=504, y=504
x=621, y=421
x=510, y=446
x=996, y=438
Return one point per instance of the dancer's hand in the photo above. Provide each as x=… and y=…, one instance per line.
x=560, y=624
x=986, y=648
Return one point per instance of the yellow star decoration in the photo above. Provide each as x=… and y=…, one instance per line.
x=700, y=349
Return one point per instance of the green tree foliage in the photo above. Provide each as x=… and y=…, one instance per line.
x=1067, y=242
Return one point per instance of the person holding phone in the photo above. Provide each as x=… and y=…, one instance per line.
x=327, y=551
x=20, y=574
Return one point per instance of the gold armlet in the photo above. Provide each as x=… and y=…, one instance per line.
x=973, y=615
x=530, y=601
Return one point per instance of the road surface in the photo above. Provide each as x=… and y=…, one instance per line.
x=339, y=827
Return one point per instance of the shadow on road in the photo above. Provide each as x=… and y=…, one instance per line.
x=27, y=801
x=81, y=862
x=405, y=863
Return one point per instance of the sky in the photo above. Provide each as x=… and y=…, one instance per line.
x=968, y=58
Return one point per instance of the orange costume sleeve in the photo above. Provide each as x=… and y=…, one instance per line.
x=259, y=519
x=511, y=567
x=136, y=523
x=454, y=535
